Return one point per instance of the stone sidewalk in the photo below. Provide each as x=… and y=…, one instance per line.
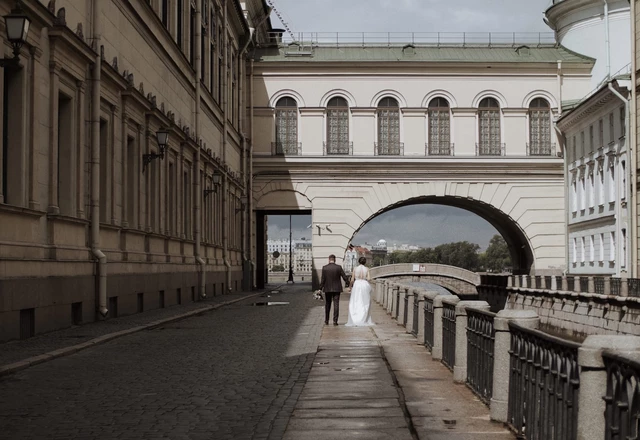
x=379, y=383
x=20, y=354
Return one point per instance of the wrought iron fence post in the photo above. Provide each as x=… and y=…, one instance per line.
x=460, y=367
x=499, y=405
x=436, y=352
x=593, y=381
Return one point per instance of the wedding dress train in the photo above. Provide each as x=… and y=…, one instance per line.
x=360, y=301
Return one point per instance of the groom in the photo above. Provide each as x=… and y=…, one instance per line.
x=332, y=287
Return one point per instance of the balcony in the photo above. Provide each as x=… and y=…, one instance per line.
x=389, y=148
x=438, y=149
x=287, y=148
x=541, y=149
x=338, y=148
x=491, y=149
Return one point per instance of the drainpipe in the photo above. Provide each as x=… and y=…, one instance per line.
x=632, y=152
x=225, y=180
x=95, y=168
x=630, y=164
x=202, y=265
x=606, y=36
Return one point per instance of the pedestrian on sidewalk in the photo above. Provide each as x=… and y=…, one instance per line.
x=331, y=285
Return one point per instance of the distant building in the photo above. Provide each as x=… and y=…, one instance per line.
x=379, y=253
x=301, y=258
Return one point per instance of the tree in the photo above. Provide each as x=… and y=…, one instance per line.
x=277, y=268
x=497, y=257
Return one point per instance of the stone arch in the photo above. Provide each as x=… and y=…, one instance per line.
x=402, y=102
x=282, y=198
x=539, y=94
x=437, y=93
x=490, y=94
x=286, y=92
x=342, y=94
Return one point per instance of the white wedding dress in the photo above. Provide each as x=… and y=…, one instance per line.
x=360, y=302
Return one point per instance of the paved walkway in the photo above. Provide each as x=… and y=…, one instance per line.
x=236, y=372
x=379, y=383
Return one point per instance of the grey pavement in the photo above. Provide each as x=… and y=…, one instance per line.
x=241, y=371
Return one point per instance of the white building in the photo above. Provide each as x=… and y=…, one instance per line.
x=302, y=257
x=595, y=136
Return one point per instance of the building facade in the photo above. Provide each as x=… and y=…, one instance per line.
x=124, y=158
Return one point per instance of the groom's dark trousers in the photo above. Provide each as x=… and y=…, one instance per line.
x=331, y=284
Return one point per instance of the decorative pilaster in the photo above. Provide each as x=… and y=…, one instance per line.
x=81, y=148
x=54, y=82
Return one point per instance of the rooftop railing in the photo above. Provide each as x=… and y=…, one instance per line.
x=400, y=39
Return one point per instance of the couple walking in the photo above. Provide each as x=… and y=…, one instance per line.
x=360, y=301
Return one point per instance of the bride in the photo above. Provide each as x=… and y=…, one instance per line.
x=360, y=302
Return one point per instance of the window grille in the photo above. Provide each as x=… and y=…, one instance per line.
x=439, y=128
x=490, y=137
x=539, y=128
x=337, y=126
x=388, y=127
x=287, y=125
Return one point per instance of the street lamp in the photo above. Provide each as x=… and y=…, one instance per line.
x=215, y=180
x=162, y=136
x=243, y=204
x=17, y=25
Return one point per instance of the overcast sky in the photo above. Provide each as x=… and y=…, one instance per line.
x=412, y=15
x=423, y=225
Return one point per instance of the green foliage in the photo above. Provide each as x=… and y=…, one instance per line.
x=277, y=268
x=497, y=258
x=460, y=254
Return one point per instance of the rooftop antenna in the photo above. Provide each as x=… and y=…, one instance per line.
x=281, y=18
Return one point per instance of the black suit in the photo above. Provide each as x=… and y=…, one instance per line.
x=331, y=284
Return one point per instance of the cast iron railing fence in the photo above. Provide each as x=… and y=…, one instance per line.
x=439, y=149
x=622, y=398
x=571, y=284
x=634, y=286
x=543, y=386
x=428, y=323
x=598, y=284
x=584, y=284
x=287, y=148
x=389, y=148
x=541, y=149
x=449, y=335
x=337, y=148
x=480, y=348
x=491, y=149
x=615, y=286
x=416, y=310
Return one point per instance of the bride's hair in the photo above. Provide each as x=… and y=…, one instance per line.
x=362, y=260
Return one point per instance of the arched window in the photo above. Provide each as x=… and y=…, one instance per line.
x=287, y=126
x=388, y=128
x=338, y=127
x=540, y=128
x=489, y=128
x=439, y=128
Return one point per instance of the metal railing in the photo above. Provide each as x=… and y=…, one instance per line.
x=584, y=284
x=634, y=286
x=416, y=311
x=491, y=149
x=615, y=286
x=623, y=395
x=543, y=386
x=399, y=39
x=449, y=335
x=287, y=148
x=439, y=149
x=480, y=344
x=388, y=148
x=541, y=149
x=571, y=284
x=547, y=282
x=598, y=284
x=337, y=148
x=428, y=323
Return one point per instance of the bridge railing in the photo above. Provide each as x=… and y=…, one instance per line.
x=530, y=379
x=480, y=347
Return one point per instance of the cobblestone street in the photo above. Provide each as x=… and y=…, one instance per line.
x=233, y=373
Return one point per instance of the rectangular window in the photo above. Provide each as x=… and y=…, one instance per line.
x=574, y=195
x=591, y=188
x=66, y=156
x=583, y=193
x=601, y=133
x=623, y=243
x=165, y=13
x=154, y=182
x=612, y=246
x=591, y=249
x=575, y=150
x=591, y=143
x=179, y=23
x=611, y=131
x=582, y=150
x=582, y=250
x=601, y=248
x=623, y=125
x=13, y=157
x=192, y=36
x=105, y=141
x=133, y=171
x=612, y=180
x=186, y=204
x=600, y=185
x=623, y=175
x=171, y=195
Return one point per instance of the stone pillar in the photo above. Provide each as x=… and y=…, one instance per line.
x=409, y=294
x=554, y=282
x=624, y=287
x=460, y=367
x=400, y=312
x=565, y=283
x=607, y=285
x=591, y=285
x=593, y=381
x=525, y=281
x=54, y=87
x=501, y=361
x=436, y=353
x=420, y=333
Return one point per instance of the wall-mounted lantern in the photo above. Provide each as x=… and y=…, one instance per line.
x=215, y=180
x=243, y=204
x=17, y=25
x=162, y=136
